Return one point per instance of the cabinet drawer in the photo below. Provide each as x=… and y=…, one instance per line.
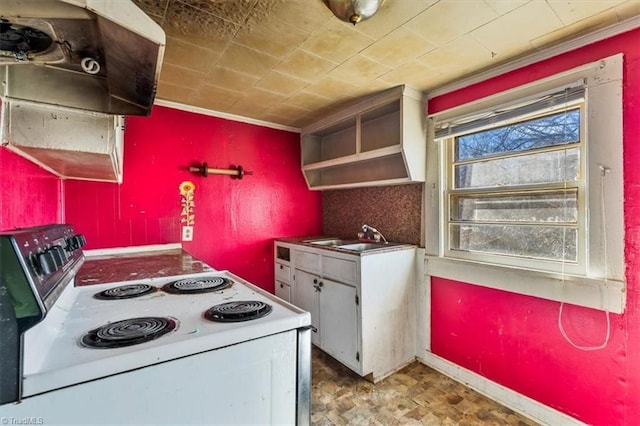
x=342, y=270
x=283, y=291
x=283, y=273
x=307, y=261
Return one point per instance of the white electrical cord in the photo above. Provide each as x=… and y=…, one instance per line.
x=603, y=172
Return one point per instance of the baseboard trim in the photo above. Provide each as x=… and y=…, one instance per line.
x=522, y=404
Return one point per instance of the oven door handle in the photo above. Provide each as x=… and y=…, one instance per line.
x=303, y=385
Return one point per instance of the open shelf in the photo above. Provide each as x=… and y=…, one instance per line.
x=378, y=141
x=367, y=172
x=380, y=132
x=330, y=143
x=381, y=152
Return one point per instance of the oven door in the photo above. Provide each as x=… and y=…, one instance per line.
x=253, y=382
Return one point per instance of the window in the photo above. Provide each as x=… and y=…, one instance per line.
x=524, y=189
x=514, y=191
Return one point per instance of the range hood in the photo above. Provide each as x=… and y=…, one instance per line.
x=68, y=142
x=93, y=55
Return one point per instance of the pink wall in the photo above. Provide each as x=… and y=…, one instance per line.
x=235, y=220
x=514, y=340
x=30, y=195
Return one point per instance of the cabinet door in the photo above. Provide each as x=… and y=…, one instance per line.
x=283, y=291
x=305, y=296
x=338, y=322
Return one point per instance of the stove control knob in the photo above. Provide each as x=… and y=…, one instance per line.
x=59, y=255
x=75, y=242
x=72, y=244
x=47, y=262
x=34, y=263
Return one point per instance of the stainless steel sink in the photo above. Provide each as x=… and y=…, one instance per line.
x=351, y=245
x=326, y=242
x=363, y=246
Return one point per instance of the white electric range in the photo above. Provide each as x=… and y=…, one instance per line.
x=199, y=348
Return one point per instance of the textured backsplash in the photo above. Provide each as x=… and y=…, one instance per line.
x=393, y=210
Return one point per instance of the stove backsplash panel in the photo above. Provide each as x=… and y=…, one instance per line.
x=393, y=210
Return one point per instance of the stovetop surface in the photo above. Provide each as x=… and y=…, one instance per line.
x=54, y=356
x=138, y=266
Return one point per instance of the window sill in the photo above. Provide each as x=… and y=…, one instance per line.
x=582, y=291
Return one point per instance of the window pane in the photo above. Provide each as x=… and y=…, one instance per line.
x=561, y=206
x=556, y=129
x=525, y=241
x=543, y=167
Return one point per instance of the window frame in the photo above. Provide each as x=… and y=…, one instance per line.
x=577, y=267
x=601, y=283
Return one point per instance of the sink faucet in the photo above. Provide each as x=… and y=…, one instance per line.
x=375, y=234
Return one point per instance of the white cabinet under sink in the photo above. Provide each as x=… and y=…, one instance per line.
x=334, y=315
x=361, y=304
x=339, y=321
x=305, y=296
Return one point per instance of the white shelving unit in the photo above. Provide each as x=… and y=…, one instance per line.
x=381, y=140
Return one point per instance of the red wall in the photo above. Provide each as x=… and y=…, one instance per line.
x=514, y=340
x=235, y=220
x=30, y=194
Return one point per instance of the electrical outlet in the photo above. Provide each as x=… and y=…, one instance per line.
x=187, y=233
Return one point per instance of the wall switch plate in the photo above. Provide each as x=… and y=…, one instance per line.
x=187, y=233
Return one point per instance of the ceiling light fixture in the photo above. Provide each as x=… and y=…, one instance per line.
x=354, y=11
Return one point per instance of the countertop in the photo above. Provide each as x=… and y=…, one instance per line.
x=384, y=248
x=138, y=266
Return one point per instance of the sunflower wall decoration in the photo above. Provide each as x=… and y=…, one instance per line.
x=188, y=216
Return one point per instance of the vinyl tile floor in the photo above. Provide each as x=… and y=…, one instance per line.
x=415, y=395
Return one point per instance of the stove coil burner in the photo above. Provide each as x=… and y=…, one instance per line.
x=128, y=332
x=128, y=291
x=238, y=311
x=197, y=285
